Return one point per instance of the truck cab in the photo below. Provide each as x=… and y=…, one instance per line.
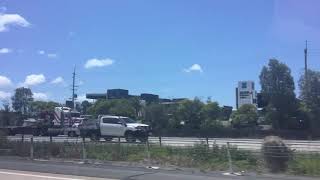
x=108, y=127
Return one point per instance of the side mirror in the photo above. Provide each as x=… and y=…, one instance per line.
x=124, y=124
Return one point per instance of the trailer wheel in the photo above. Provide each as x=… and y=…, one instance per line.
x=143, y=139
x=130, y=138
x=108, y=139
x=94, y=137
x=71, y=134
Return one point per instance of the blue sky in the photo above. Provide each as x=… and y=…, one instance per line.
x=172, y=48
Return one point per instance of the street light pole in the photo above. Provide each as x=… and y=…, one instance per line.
x=306, y=69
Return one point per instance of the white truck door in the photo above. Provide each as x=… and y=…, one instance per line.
x=111, y=127
x=105, y=126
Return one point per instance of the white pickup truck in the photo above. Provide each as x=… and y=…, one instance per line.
x=109, y=127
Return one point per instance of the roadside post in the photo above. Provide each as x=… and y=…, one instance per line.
x=84, y=153
x=148, y=151
x=229, y=158
x=160, y=141
x=31, y=148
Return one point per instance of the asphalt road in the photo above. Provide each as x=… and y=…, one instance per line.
x=28, y=175
x=247, y=144
x=16, y=169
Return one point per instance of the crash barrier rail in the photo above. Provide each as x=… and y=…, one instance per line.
x=244, y=144
x=217, y=154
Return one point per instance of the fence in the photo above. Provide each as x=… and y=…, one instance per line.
x=203, y=153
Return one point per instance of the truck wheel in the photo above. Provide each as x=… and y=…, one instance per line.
x=94, y=137
x=130, y=138
x=71, y=134
x=143, y=139
x=108, y=139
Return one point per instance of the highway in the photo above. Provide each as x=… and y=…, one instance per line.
x=246, y=144
x=27, y=175
x=22, y=169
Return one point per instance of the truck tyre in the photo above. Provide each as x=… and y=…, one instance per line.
x=143, y=139
x=108, y=139
x=94, y=137
x=72, y=134
x=130, y=138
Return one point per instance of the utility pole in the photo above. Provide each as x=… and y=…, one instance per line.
x=306, y=69
x=73, y=86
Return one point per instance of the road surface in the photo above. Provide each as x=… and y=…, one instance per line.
x=246, y=144
x=18, y=169
x=28, y=175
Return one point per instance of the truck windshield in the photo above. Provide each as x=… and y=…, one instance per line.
x=128, y=120
x=75, y=114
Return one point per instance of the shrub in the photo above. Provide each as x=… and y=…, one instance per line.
x=276, y=154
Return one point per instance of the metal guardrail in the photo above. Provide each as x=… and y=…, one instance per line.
x=187, y=152
x=245, y=144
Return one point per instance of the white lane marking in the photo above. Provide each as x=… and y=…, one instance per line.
x=37, y=176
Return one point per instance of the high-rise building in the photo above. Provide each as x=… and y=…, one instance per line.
x=246, y=93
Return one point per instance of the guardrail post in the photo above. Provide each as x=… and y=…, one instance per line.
x=50, y=139
x=160, y=141
x=31, y=148
x=84, y=153
x=148, y=151
x=229, y=158
x=22, y=137
x=119, y=147
x=207, y=141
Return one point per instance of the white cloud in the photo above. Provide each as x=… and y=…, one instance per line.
x=57, y=80
x=51, y=55
x=7, y=20
x=5, y=95
x=40, y=96
x=41, y=52
x=194, y=67
x=82, y=98
x=34, y=79
x=91, y=63
x=5, y=50
x=5, y=82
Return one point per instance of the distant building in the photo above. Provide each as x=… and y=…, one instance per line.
x=69, y=104
x=245, y=93
x=150, y=98
x=226, y=112
x=117, y=94
x=96, y=96
x=145, y=98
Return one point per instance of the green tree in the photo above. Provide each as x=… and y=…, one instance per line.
x=246, y=115
x=6, y=105
x=277, y=87
x=84, y=106
x=157, y=116
x=210, y=114
x=310, y=95
x=189, y=112
x=21, y=100
x=123, y=107
x=119, y=107
x=135, y=103
x=40, y=106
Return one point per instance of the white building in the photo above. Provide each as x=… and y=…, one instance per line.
x=246, y=94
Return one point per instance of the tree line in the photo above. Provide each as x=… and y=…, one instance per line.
x=282, y=109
